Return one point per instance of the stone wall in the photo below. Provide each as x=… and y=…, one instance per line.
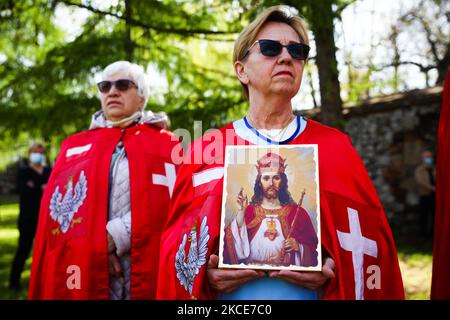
x=390, y=134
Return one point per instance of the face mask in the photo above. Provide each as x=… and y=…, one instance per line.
x=37, y=158
x=428, y=160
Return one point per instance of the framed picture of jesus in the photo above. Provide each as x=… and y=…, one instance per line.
x=270, y=211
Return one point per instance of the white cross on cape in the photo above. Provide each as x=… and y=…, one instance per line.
x=167, y=180
x=358, y=245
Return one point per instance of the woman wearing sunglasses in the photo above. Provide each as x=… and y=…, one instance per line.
x=359, y=256
x=107, y=199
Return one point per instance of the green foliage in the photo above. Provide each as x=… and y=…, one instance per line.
x=47, y=80
x=316, y=12
x=416, y=261
x=47, y=74
x=8, y=244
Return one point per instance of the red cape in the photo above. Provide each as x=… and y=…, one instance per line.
x=85, y=160
x=440, y=285
x=344, y=183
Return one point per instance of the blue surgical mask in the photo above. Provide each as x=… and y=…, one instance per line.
x=37, y=158
x=428, y=160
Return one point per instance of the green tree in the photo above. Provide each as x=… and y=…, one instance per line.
x=47, y=80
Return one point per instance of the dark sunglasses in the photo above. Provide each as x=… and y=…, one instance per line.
x=121, y=85
x=272, y=48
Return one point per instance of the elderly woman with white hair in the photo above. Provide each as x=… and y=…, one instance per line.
x=107, y=199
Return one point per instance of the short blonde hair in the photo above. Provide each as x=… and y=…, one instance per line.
x=273, y=14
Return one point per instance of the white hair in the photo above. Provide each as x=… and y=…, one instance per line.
x=134, y=72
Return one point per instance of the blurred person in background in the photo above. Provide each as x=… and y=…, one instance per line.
x=425, y=175
x=31, y=181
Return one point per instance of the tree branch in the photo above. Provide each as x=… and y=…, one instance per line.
x=422, y=67
x=429, y=35
x=184, y=32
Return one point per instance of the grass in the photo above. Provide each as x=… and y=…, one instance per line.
x=415, y=260
x=8, y=245
x=416, y=266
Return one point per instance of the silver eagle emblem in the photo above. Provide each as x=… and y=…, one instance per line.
x=62, y=209
x=187, y=270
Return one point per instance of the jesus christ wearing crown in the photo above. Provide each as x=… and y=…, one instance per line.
x=272, y=229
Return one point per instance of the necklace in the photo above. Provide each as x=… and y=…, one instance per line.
x=270, y=141
x=284, y=125
x=275, y=135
